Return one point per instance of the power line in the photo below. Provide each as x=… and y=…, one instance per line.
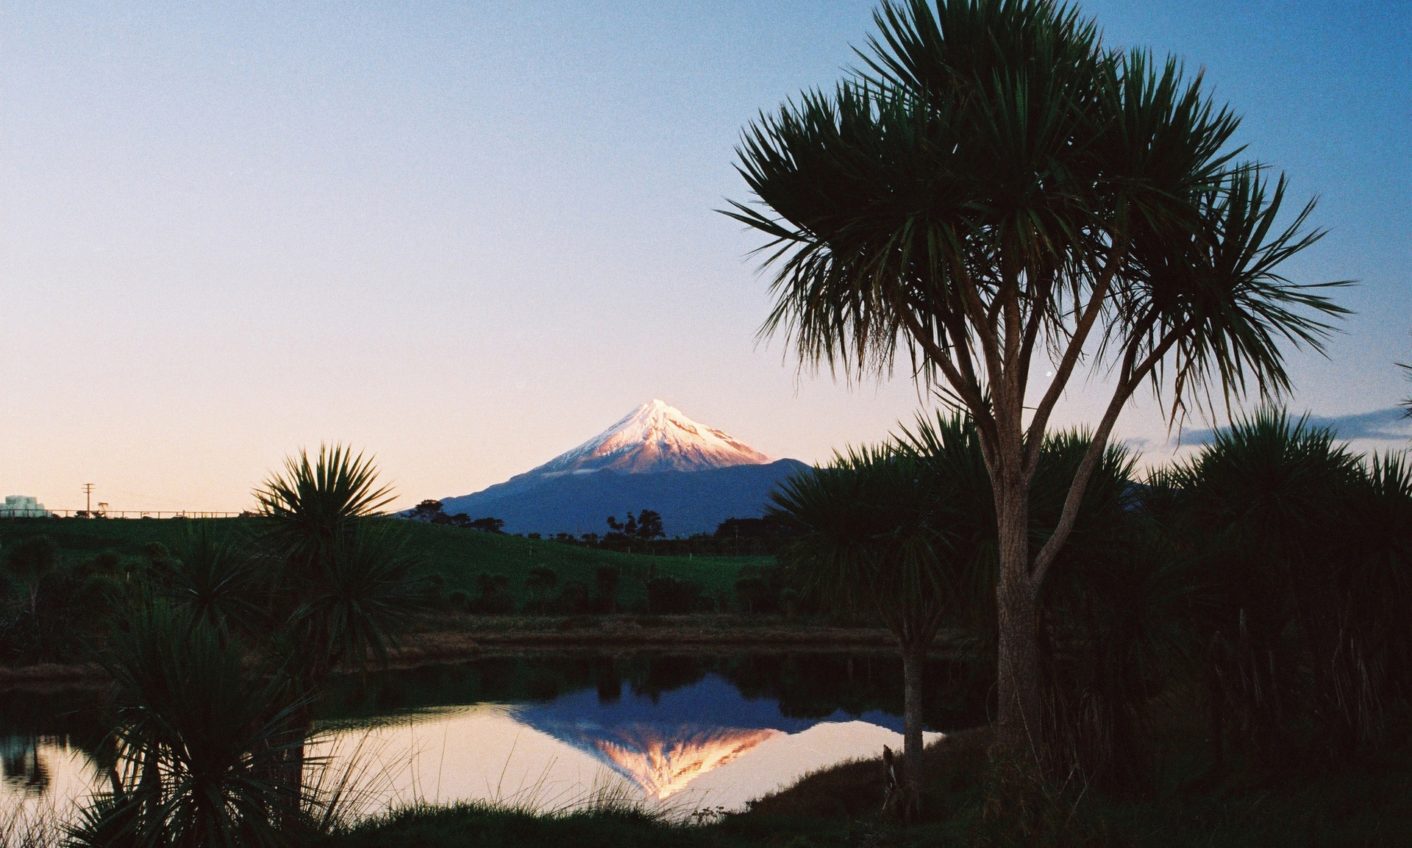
x=88, y=497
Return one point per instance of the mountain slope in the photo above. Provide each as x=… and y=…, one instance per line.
x=689, y=501
x=654, y=458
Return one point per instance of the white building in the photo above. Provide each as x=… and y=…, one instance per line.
x=22, y=506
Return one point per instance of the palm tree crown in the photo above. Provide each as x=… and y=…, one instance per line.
x=992, y=184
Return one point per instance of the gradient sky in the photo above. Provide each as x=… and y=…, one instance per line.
x=467, y=236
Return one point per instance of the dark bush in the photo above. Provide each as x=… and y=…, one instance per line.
x=539, y=582
x=606, y=579
x=573, y=599
x=667, y=595
x=494, y=595
x=755, y=595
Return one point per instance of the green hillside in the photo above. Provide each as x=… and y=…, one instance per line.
x=458, y=554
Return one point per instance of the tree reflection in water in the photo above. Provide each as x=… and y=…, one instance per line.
x=724, y=726
x=21, y=765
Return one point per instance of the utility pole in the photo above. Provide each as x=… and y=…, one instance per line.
x=88, y=498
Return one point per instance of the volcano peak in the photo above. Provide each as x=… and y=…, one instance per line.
x=655, y=436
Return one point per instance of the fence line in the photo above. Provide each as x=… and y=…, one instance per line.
x=130, y=513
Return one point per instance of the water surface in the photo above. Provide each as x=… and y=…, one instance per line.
x=675, y=732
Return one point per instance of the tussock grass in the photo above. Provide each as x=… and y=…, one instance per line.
x=30, y=825
x=609, y=814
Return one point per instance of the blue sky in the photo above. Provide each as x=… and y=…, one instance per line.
x=467, y=236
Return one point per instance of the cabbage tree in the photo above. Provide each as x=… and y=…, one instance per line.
x=871, y=533
x=994, y=193
x=344, y=582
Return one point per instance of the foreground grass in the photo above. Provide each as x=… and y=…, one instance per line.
x=1366, y=805
x=456, y=554
x=478, y=824
x=481, y=826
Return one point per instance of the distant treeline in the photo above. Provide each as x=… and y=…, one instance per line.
x=641, y=533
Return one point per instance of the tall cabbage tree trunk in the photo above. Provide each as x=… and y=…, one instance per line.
x=1019, y=682
x=914, y=658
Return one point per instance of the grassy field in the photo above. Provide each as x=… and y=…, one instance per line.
x=457, y=554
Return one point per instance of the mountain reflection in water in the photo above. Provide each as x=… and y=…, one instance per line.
x=663, y=766
x=674, y=733
x=667, y=742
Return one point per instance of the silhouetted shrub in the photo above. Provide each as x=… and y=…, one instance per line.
x=539, y=582
x=754, y=596
x=669, y=595
x=494, y=595
x=572, y=599
x=606, y=579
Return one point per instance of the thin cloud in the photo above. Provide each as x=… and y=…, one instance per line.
x=1386, y=425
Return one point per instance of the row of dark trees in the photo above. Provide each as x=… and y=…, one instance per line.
x=754, y=536
x=642, y=532
x=434, y=512
x=1268, y=578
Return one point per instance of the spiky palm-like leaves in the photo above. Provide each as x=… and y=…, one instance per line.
x=1307, y=549
x=207, y=753
x=343, y=586
x=217, y=583
x=345, y=581
x=995, y=183
x=315, y=501
x=1115, y=616
x=364, y=592
x=1256, y=492
x=993, y=157
x=869, y=536
x=1378, y=580
x=196, y=738
x=947, y=449
x=870, y=532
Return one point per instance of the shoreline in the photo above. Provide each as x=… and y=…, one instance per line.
x=473, y=637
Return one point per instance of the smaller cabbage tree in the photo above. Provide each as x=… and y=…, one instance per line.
x=884, y=529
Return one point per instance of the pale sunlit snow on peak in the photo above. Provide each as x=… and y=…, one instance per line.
x=655, y=437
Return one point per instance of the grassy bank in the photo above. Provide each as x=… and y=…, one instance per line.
x=458, y=555
x=436, y=639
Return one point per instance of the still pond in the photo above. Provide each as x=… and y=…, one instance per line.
x=678, y=732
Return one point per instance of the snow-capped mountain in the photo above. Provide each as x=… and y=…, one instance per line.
x=654, y=437
x=654, y=458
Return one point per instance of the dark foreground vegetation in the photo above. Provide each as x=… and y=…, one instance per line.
x=993, y=191
x=63, y=580
x=1366, y=806
x=1224, y=642
x=218, y=654
x=1212, y=653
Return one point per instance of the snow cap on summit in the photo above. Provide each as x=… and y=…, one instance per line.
x=654, y=437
